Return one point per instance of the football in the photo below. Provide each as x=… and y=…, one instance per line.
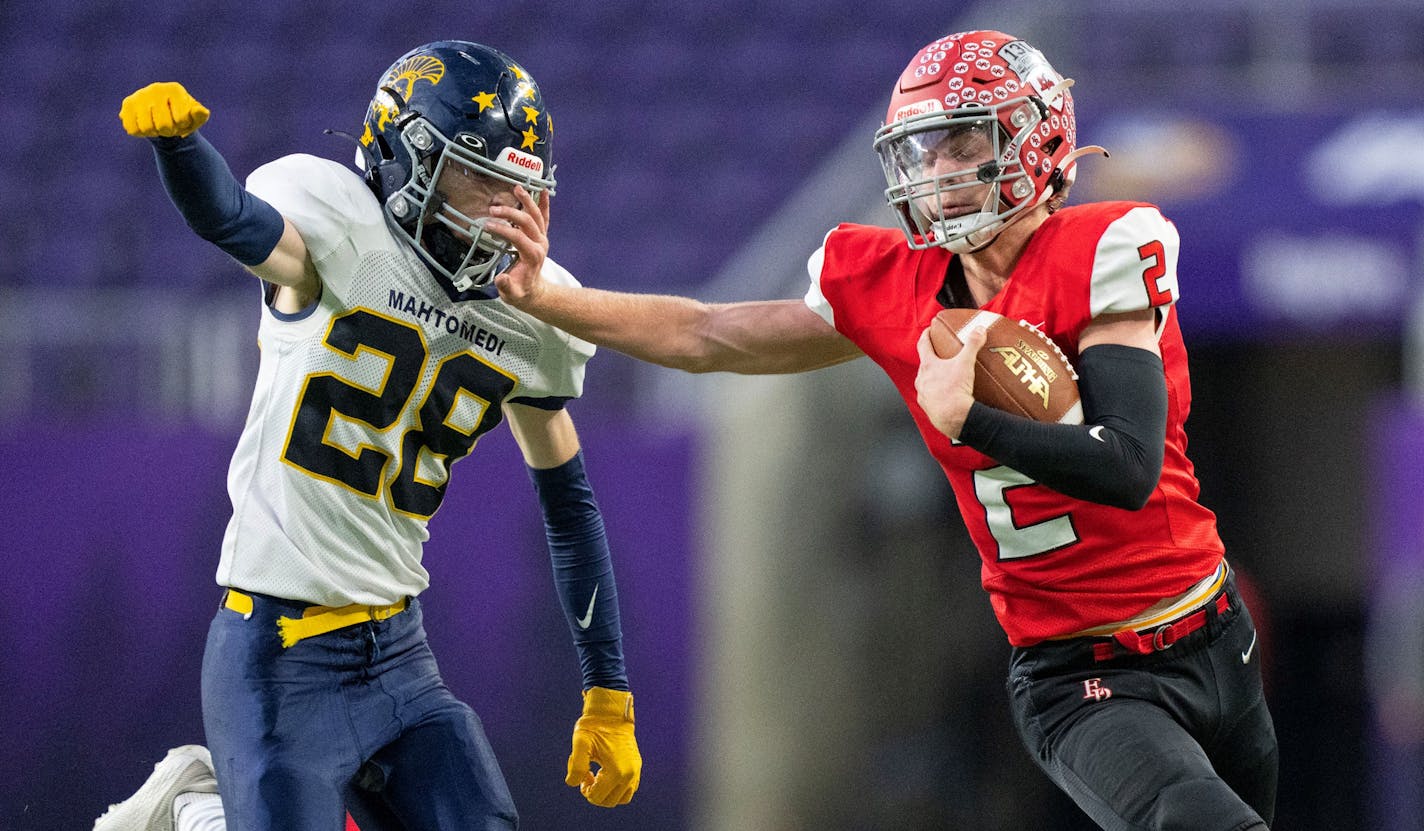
x=1019, y=369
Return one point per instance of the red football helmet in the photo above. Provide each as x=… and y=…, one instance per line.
x=975, y=109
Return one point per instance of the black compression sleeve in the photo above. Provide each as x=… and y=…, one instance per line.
x=583, y=570
x=213, y=203
x=1115, y=457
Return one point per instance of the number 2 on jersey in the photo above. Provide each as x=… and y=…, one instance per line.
x=462, y=383
x=1016, y=541
x=1155, y=253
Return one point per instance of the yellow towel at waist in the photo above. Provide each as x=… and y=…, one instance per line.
x=316, y=620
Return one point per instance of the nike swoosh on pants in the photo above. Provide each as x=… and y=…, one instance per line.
x=1246, y=656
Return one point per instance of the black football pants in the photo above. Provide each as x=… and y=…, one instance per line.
x=1176, y=739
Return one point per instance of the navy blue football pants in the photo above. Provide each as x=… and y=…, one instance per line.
x=356, y=719
x=1175, y=739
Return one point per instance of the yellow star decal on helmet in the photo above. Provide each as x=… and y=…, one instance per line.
x=518, y=73
x=485, y=100
x=531, y=115
x=530, y=139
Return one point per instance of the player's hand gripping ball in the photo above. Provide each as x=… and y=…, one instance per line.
x=1019, y=369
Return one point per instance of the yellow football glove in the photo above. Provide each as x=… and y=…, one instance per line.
x=604, y=736
x=162, y=109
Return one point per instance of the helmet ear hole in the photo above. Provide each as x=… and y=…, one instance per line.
x=386, y=152
x=390, y=177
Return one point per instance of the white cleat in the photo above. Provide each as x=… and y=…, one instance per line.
x=186, y=769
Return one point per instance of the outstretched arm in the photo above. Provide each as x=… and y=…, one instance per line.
x=213, y=203
x=758, y=337
x=753, y=338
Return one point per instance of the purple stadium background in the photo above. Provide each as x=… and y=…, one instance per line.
x=683, y=127
x=112, y=545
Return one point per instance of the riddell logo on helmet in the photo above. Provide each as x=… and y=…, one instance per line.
x=918, y=108
x=520, y=159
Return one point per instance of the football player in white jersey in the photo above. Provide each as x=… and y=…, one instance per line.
x=386, y=353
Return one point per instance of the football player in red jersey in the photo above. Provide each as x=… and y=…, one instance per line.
x=1135, y=681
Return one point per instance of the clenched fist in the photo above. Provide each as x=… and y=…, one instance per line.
x=604, y=736
x=164, y=108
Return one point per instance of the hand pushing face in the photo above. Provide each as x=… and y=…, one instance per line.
x=472, y=194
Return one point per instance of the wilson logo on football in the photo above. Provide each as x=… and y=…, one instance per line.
x=1030, y=368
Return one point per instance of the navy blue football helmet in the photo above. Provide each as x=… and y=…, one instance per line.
x=454, y=108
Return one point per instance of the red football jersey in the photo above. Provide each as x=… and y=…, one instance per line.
x=1052, y=565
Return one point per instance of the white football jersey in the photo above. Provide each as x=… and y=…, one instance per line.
x=364, y=401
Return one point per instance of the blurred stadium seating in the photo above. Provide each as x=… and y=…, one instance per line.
x=703, y=148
